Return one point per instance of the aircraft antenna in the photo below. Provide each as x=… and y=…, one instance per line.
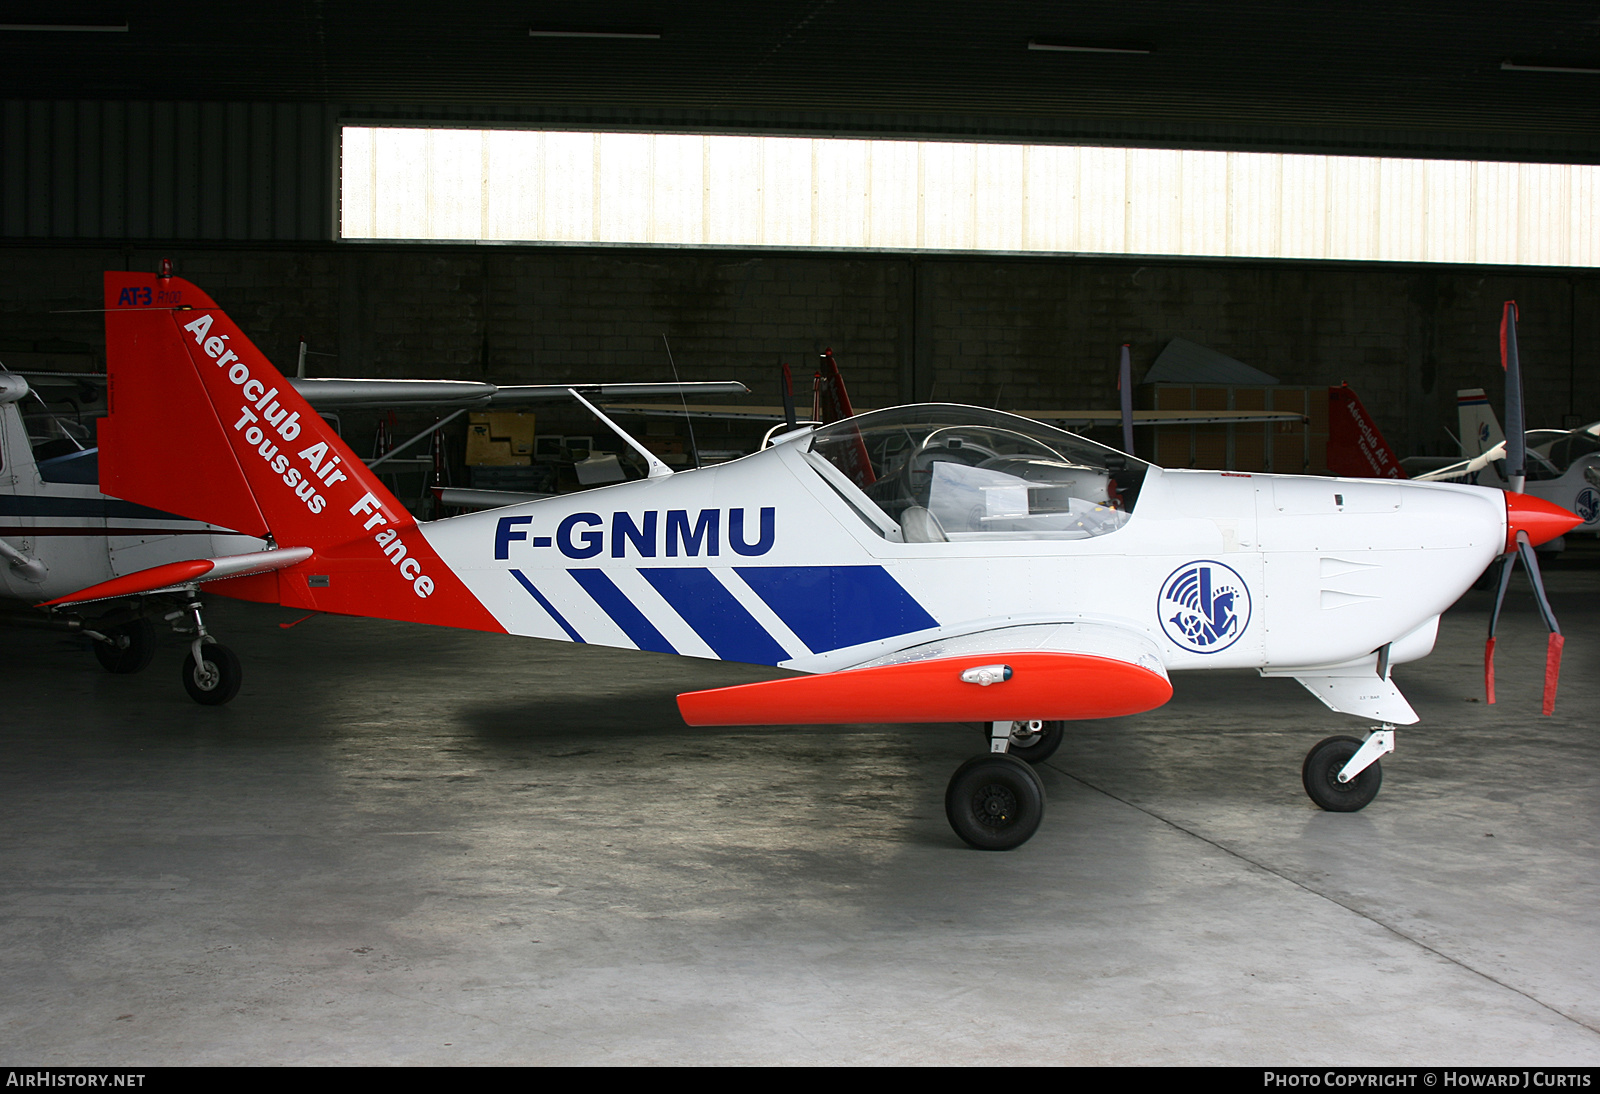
x=687, y=420
x=1125, y=395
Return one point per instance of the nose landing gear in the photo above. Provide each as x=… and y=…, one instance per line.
x=1342, y=775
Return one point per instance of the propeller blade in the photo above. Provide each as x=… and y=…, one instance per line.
x=1516, y=430
x=1528, y=520
x=1507, y=563
x=1552, y=656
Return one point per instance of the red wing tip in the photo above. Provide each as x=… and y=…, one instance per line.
x=933, y=691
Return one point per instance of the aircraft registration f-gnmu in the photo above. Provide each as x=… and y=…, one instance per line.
x=922, y=563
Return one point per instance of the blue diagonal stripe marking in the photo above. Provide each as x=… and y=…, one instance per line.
x=830, y=607
x=547, y=606
x=622, y=611
x=707, y=606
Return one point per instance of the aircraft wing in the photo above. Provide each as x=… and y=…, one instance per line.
x=718, y=411
x=1466, y=470
x=1067, y=670
x=606, y=393
x=1080, y=418
x=336, y=393
x=1163, y=417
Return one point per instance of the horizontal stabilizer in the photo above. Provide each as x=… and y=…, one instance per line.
x=977, y=688
x=188, y=572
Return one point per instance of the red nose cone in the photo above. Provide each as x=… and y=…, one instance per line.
x=1542, y=520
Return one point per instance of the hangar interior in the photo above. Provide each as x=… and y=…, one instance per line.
x=405, y=845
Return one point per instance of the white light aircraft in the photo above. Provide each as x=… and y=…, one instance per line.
x=916, y=564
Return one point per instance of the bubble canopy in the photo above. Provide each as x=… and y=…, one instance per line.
x=943, y=472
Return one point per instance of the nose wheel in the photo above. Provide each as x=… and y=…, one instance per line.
x=1338, y=785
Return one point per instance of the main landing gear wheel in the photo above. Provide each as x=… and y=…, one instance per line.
x=995, y=802
x=215, y=678
x=131, y=647
x=1320, y=775
x=1033, y=741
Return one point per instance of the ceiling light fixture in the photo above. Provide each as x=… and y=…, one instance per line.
x=1069, y=47
x=535, y=32
x=122, y=29
x=1512, y=66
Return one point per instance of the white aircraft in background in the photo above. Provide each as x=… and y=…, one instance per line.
x=58, y=532
x=1562, y=465
x=921, y=563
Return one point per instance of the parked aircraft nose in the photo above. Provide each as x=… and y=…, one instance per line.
x=1542, y=520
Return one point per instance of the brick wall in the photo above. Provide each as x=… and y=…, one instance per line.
x=1019, y=332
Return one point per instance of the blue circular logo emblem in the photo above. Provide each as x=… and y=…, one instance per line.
x=1588, y=504
x=1204, y=606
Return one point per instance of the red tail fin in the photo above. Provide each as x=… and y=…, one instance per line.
x=202, y=425
x=831, y=403
x=1356, y=449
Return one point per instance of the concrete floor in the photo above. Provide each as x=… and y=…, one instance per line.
x=403, y=845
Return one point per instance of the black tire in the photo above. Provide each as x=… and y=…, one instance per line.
x=994, y=802
x=132, y=656
x=1320, y=776
x=216, y=679
x=1033, y=741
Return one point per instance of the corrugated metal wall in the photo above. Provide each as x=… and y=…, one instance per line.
x=841, y=194
x=167, y=170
